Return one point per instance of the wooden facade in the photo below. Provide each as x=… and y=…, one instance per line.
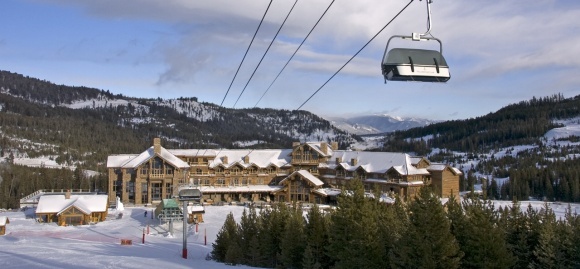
x=227, y=176
x=72, y=209
x=3, y=221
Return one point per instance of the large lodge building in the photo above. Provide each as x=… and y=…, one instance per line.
x=310, y=172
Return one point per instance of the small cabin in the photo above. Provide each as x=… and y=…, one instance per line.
x=72, y=209
x=3, y=221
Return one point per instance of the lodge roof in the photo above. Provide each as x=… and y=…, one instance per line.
x=4, y=220
x=58, y=203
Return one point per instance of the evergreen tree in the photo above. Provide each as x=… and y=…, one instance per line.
x=546, y=252
x=293, y=241
x=517, y=233
x=309, y=260
x=227, y=235
x=248, y=236
x=316, y=232
x=354, y=240
x=481, y=239
x=428, y=241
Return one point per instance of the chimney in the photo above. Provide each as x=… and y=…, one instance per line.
x=157, y=145
x=225, y=159
x=324, y=147
x=295, y=144
x=353, y=162
x=247, y=159
x=338, y=160
x=334, y=145
x=67, y=194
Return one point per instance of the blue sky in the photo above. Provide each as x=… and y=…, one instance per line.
x=499, y=52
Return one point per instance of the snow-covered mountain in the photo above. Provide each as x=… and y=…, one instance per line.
x=378, y=123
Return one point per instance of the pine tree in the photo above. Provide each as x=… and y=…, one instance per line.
x=227, y=235
x=293, y=241
x=481, y=239
x=546, y=251
x=428, y=241
x=517, y=233
x=316, y=232
x=309, y=260
x=248, y=233
x=354, y=240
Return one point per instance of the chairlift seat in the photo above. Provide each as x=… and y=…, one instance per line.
x=190, y=195
x=403, y=64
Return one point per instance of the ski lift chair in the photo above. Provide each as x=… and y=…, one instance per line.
x=406, y=64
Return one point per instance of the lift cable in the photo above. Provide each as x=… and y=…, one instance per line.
x=294, y=54
x=246, y=53
x=356, y=54
x=255, y=69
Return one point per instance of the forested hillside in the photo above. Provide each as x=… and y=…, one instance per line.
x=546, y=170
x=80, y=127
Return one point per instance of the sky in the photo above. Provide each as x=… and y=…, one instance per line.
x=499, y=52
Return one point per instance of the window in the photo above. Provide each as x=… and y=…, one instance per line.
x=244, y=182
x=219, y=170
x=198, y=171
x=144, y=194
x=235, y=182
x=168, y=190
x=156, y=191
x=235, y=171
x=168, y=170
x=220, y=181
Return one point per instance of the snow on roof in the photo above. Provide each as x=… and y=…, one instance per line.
x=4, y=220
x=195, y=209
x=328, y=191
x=317, y=146
x=114, y=161
x=193, y=152
x=441, y=167
x=250, y=188
x=57, y=203
x=261, y=158
x=133, y=161
x=305, y=174
x=375, y=162
x=410, y=170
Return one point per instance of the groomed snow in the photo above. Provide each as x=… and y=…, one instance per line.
x=29, y=244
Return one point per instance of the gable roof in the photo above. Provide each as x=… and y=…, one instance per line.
x=86, y=203
x=262, y=158
x=4, y=220
x=442, y=167
x=375, y=162
x=306, y=175
x=133, y=161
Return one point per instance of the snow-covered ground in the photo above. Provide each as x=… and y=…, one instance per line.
x=29, y=244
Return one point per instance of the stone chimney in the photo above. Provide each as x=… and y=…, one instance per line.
x=67, y=194
x=157, y=145
x=324, y=147
x=334, y=145
x=225, y=159
x=247, y=159
x=338, y=160
x=353, y=162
